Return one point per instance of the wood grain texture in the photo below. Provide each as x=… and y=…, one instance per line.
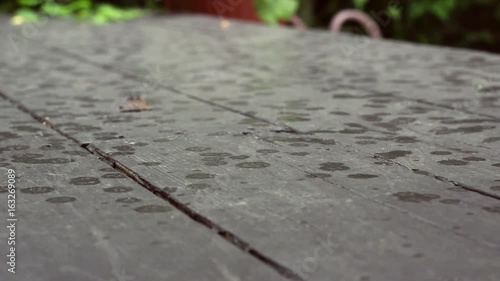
x=282, y=212
x=385, y=151
x=306, y=79
x=80, y=219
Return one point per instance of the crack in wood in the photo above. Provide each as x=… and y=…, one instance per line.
x=225, y=234
x=199, y=218
x=455, y=183
x=494, y=118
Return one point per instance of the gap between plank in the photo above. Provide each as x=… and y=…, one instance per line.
x=227, y=235
x=285, y=128
x=455, y=183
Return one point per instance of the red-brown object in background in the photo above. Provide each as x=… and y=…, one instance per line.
x=239, y=9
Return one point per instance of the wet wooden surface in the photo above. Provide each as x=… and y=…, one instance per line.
x=80, y=219
x=274, y=154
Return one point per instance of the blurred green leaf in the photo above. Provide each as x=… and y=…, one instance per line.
x=92, y=10
x=394, y=12
x=56, y=10
x=30, y=3
x=359, y=4
x=99, y=19
x=107, y=12
x=443, y=8
x=80, y=5
x=27, y=15
x=271, y=11
x=83, y=14
x=417, y=9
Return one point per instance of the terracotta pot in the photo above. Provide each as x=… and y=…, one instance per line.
x=239, y=9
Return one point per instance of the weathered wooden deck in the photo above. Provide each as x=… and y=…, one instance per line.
x=268, y=154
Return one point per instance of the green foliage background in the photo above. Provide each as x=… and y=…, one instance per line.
x=461, y=23
x=96, y=11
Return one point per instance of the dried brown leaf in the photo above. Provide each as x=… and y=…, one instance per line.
x=135, y=104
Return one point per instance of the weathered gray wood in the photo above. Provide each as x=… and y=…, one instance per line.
x=270, y=204
x=376, y=222
x=474, y=173
x=420, y=130
x=224, y=207
x=79, y=219
x=369, y=64
x=416, y=111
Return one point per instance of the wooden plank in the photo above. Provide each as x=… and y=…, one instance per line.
x=95, y=100
x=270, y=204
x=387, y=112
x=436, y=140
x=79, y=219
